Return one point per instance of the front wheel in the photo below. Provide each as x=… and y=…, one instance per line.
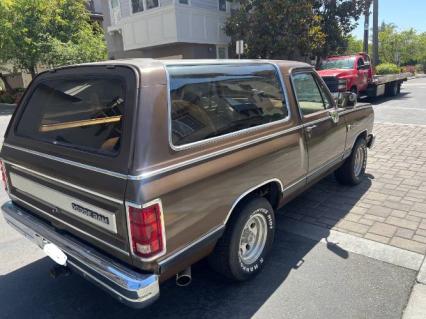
x=240, y=254
x=353, y=169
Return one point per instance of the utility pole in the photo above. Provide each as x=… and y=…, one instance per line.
x=366, y=25
x=376, y=59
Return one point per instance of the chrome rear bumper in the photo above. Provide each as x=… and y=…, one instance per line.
x=132, y=288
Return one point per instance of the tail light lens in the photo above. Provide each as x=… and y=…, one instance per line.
x=147, y=230
x=3, y=175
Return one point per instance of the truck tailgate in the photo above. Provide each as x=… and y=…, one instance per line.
x=90, y=212
x=68, y=148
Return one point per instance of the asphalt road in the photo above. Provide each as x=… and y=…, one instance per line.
x=408, y=108
x=302, y=279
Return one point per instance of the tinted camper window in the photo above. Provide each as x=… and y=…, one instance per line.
x=83, y=113
x=208, y=101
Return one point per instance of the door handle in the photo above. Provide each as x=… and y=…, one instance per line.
x=310, y=128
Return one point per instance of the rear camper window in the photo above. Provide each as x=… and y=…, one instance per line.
x=209, y=101
x=82, y=113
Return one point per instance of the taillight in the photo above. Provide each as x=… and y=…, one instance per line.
x=3, y=175
x=147, y=230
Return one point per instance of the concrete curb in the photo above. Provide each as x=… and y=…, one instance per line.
x=421, y=276
x=416, y=307
x=365, y=247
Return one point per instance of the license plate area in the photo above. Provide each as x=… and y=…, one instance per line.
x=55, y=253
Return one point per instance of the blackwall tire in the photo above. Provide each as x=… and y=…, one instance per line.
x=352, y=171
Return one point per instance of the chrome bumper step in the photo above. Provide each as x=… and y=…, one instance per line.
x=132, y=288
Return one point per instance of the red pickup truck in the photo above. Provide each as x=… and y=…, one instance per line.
x=355, y=73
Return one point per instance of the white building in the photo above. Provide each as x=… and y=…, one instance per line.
x=166, y=28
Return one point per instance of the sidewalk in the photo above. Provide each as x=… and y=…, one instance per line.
x=389, y=206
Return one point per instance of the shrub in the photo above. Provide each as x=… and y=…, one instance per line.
x=420, y=68
x=409, y=68
x=6, y=98
x=387, y=68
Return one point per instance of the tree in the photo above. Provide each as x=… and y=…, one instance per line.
x=294, y=29
x=83, y=48
x=398, y=47
x=276, y=29
x=338, y=19
x=36, y=31
x=354, y=45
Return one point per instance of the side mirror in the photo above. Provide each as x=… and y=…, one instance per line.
x=363, y=67
x=347, y=99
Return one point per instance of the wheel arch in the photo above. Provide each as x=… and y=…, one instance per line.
x=271, y=189
x=363, y=134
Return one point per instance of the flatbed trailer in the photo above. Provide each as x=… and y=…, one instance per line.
x=355, y=73
x=389, y=84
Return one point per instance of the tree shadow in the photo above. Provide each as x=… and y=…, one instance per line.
x=29, y=290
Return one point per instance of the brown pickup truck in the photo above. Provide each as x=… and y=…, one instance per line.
x=128, y=172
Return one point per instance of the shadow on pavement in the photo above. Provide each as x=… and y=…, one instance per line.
x=29, y=291
x=383, y=99
x=328, y=202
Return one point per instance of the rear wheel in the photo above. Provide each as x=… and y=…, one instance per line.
x=240, y=254
x=353, y=169
x=393, y=89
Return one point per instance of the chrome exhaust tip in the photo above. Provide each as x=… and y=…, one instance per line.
x=184, y=277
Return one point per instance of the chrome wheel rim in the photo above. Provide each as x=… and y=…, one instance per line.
x=253, y=239
x=359, y=161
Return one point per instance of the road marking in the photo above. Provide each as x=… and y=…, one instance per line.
x=404, y=108
x=361, y=246
x=414, y=84
x=402, y=124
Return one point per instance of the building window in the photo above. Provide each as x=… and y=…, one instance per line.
x=151, y=4
x=221, y=52
x=184, y=1
x=114, y=4
x=222, y=5
x=137, y=6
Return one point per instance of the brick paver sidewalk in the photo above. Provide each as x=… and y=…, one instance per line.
x=389, y=206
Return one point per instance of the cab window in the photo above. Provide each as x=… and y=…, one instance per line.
x=310, y=95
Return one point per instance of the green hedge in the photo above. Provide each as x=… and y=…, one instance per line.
x=387, y=68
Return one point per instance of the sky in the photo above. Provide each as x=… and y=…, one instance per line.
x=404, y=13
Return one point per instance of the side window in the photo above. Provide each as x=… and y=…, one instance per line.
x=360, y=62
x=213, y=100
x=310, y=96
